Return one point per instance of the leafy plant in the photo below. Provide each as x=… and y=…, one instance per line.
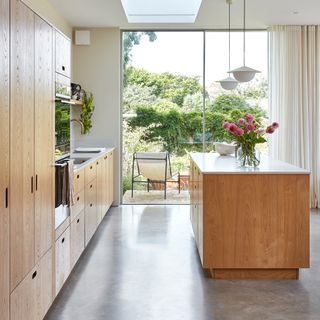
x=87, y=112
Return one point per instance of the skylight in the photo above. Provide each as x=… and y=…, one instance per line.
x=161, y=11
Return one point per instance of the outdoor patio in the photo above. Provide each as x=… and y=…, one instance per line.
x=156, y=197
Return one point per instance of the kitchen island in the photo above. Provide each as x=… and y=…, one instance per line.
x=250, y=223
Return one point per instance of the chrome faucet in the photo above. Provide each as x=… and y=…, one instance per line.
x=79, y=122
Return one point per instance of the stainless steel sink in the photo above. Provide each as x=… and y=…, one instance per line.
x=79, y=160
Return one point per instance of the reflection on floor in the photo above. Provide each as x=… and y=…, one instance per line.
x=156, y=197
x=142, y=264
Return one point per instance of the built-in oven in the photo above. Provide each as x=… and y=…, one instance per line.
x=62, y=116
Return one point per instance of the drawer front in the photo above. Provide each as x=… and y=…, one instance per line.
x=77, y=238
x=78, y=204
x=78, y=181
x=62, y=259
x=90, y=172
x=32, y=298
x=90, y=194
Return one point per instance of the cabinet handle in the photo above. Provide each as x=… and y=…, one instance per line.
x=90, y=186
x=34, y=274
x=63, y=68
x=32, y=184
x=90, y=204
x=106, y=157
x=90, y=167
x=7, y=200
x=97, y=163
x=62, y=241
x=78, y=220
x=78, y=176
x=78, y=198
x=36, y=182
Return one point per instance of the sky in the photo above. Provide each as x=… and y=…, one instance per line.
x=182, y=53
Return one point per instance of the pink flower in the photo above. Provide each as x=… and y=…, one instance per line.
x=250, y=118
x=226, y=125
x=270, y=130
x=233, y=128
x=251, y=127
x=275, y=125
x=239, y=132
x=261, y=131
x=242, y=121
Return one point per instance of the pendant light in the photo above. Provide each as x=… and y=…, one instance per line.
x=229, y=83
x=244, y=73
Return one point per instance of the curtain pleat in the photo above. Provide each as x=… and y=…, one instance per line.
x=294, y=98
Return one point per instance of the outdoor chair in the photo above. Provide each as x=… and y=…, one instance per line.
x=154, y=167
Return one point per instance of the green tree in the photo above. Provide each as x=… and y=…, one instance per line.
x=130, y=39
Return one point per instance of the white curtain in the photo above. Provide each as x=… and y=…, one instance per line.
x=294, y=53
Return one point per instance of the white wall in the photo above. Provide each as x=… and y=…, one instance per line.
x=97, y=69
x=46, y=11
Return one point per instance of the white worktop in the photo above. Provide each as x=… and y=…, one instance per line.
x=213, y=163
x=91, y=157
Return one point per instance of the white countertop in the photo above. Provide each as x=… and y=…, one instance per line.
x=90, y=157
x=213, y=163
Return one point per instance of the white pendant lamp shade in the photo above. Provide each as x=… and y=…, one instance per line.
x=229, y=83
x=244, y=73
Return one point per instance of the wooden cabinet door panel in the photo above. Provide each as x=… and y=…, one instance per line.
x=63, y=52
x=44, y=137
x=62, y=259
x=78, y=181
x=77, y=238
x=90, y=222
x=111, y=178
x=4, y=164
x=100, y=188
x=22, y=249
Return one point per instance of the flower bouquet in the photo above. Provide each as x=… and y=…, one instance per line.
x=246, y=133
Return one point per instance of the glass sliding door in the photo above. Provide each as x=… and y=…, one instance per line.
x=162, y=108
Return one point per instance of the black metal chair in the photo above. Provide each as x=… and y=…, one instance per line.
x=154, y=167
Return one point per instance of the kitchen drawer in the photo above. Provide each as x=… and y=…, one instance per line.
x=78, y=205
x=78, y=181
x=77, y=238
x=90, y=172
x=62, y=259
x=90, y=193
x=31, y=299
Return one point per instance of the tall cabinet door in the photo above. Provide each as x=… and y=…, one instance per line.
x=22, y=223
x=44, y=137
x=4, y=164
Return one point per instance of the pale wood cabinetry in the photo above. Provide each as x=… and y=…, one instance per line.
x=62, y=255
x=32, y=298
x=4, y=164
x=77, y=238
x=63, y=52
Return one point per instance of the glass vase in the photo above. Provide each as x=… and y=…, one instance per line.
x=248, y=156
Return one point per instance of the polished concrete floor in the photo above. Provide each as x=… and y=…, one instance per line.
x=142, y=264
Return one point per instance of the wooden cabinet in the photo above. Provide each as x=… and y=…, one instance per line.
x=90, y=173
x=91, y=222
x=107, y=181
x=78, y=205
x=33, y=296
x=62, y=259
x=63, y=52
x=4, y=164
x=77, y=238
x=44, y=137
x=100, y=188
x=78, y=181
x=110, y=184
x=22, y=218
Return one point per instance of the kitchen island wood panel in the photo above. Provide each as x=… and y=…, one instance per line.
x=251, y=224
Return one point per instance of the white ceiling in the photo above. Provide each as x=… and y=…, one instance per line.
x=212, y=14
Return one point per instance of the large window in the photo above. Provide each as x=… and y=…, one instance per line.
x=172, y=102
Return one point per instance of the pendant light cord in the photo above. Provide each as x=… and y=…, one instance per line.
x=229, y=38
x=244, y=32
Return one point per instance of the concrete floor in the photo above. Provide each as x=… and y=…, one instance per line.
x=142, y=264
